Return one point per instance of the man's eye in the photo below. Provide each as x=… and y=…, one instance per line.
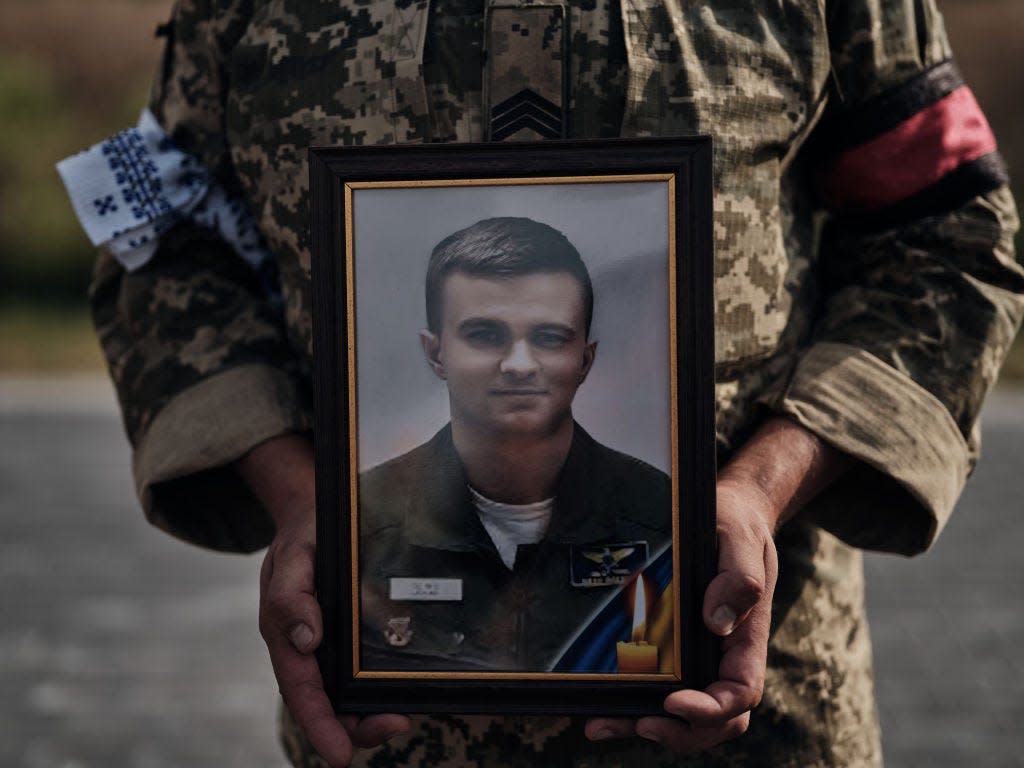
x=484, y=336
x=550, y=339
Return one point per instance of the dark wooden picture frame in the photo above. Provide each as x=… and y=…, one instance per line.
x=342, y=178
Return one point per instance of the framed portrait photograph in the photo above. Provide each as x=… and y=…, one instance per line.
x=514, y=424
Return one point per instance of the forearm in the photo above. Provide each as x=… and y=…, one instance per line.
x=280, y=472
x=786, y=466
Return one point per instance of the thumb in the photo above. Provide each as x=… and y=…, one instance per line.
x=730, y=598
x=288, y=608
x=742, y=579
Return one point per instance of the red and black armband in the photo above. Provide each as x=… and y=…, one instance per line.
x=921, y=148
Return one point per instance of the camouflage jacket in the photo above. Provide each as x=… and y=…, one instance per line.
x=865, y=282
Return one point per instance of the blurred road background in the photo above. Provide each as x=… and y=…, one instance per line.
x=122, y=647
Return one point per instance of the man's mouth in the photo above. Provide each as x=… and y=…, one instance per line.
x=518, y=392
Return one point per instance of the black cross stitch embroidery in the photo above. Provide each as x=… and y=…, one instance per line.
x=105, y=205
x=136, y=175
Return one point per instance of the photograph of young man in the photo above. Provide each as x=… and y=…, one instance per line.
x=490, y=545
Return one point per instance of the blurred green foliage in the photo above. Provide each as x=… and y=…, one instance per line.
x=71, y=73
x=46, y=257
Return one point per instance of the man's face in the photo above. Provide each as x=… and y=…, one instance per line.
x=513, y=350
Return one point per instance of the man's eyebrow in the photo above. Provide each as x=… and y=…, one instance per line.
x=477, y=321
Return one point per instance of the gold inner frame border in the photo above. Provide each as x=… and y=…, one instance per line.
x=350, y=340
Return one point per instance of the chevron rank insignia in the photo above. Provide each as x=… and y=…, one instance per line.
x=525, y=78
x=606, y=564
x=526, y=111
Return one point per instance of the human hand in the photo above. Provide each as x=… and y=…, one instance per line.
x=280, y=472
x=769, y=480
x=737, y=606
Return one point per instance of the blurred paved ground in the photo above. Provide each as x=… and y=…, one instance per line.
x=121, y=647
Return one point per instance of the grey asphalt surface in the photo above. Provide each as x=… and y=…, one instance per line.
x=122, y=647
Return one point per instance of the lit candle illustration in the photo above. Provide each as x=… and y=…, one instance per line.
x=638, y=656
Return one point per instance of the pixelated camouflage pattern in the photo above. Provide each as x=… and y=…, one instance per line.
x=938, y=331
x=755, y=77
x=250, y=85
x=873, y=46
x=526, y=51
x=597, y=69
x=454, y=72
x=755, y=80
x=181, y=321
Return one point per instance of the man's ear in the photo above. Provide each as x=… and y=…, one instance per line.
x=431, y=344
x=589, y=353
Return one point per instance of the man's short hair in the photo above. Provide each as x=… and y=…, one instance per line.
x=504, y=247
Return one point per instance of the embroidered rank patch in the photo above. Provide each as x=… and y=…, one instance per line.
x=525, y=82
x=607, y=564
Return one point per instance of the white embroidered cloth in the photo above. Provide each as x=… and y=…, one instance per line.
x=132, y=187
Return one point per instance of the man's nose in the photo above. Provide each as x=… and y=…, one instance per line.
x=519, y=360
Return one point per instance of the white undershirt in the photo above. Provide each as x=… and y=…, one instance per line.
x=510, y=525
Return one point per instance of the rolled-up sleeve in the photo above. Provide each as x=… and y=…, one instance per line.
x=921, y=295
x=911, y=340
x=196, y=347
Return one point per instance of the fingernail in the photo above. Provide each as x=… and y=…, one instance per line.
x=724, y=619
x=301, y=637
x=603, y=733
x=649, y=735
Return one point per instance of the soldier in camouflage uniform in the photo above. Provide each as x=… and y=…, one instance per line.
x=866, y=292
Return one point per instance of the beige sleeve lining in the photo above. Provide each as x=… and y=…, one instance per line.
x=869, y=410
x=182, y=463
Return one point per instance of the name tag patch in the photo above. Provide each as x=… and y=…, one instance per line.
x=425, y=589
x=607, y=564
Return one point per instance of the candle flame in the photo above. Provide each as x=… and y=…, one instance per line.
x=639, y=611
